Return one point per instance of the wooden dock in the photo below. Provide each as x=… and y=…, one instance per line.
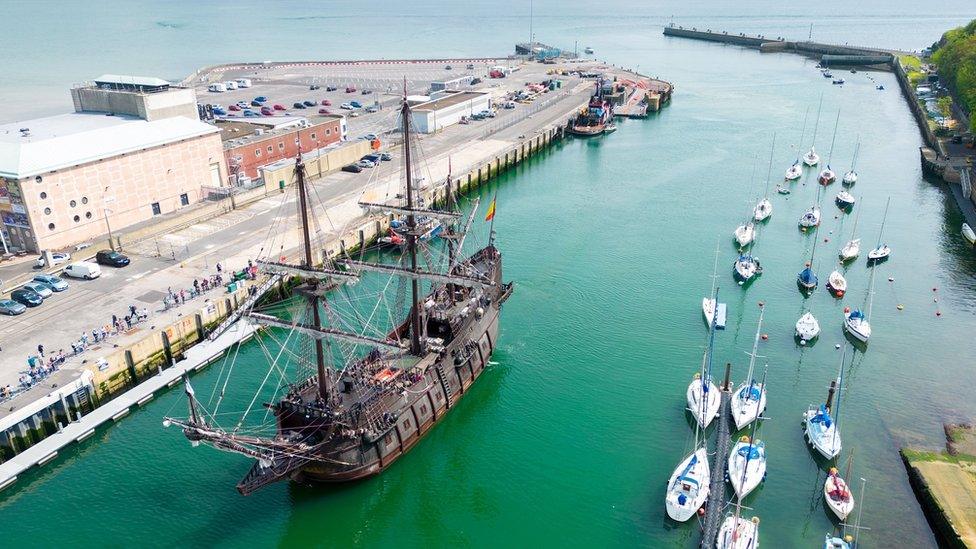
x=715, y=507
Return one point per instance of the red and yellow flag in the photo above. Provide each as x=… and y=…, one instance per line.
x=491, y=211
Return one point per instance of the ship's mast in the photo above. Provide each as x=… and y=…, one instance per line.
x=325, y=380
x=411, y=231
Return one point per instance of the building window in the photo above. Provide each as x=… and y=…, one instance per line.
x=72, y=203
x=38, y=179
x=313, y=136
x=43, y=195
x=77, y=218
x=84, y=200
x=281, y=146
x=328, y=132
x=47, y=211
x=270, y=149
x=87, y=215
x=257, y=152
x=184, y=199
x=155, y=208
x=50, y=226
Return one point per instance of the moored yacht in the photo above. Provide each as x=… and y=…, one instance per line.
x=844, y=200
x=837, y=284
x=807, y=328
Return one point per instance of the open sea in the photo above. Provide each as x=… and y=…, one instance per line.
x=569, y=440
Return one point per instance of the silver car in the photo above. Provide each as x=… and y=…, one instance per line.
x=42, y=289
x=10, y=307
x=55, y=283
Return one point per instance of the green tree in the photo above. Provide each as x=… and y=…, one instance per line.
x=956, y=58
x=945, y=106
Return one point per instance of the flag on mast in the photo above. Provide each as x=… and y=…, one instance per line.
x=491, y=210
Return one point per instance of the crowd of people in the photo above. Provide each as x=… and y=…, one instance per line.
x=205, y=284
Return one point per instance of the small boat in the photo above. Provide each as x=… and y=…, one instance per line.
x=837, y=284
x=837, y=493
x=827, y=176
x=749, y=401
x=783, y=190
x=810, y=218
x=610, y=128
x=708, y=303
x=968, y=234
x=881, y=251
x=879, y=87
x=853, y=70
x=834, y=542
x=588, y=50
x=850, y=250
x=807, y=279
x=828, y=74
x=746, y=267
x=811, y=158
x=839, y=81
x=856, y=322
x=763, y=210
x=794, y=172
x=745, y=234
x=747, y=465
x=807, y=328
x=688, y=486
x=844, y=200
x=821, y=430
x=704, y=400
x=738, y=532
x=850, y=177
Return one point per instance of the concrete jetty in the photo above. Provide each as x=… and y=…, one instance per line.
x=83, y=427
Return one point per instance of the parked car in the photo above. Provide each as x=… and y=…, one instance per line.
x=369, y=137
x=26, y=297
x=366, y=92
x=83, y=269
x=267, y=111
x=354, y=114
x=41, y=289
x=56, y=283
x=57, y=258
x=10, y=307
x=243, y=104
x=111, y=258
x=331, y=88
x=219, y=111
x=365, y=164
x=354, y=168
x=261, y=99
x=356, y=104
x=314, y=87
x=257, y=104
x=326, y=103
x=372, y=108
x=347, y=106
x=308, y=103
x=474, y=81
x=250, y=114
x=470, y=66
x=234, y=108
x=279, y=107
x=386, y=157
x=350, y=89
x=325, y=111
x=447, y=67
x=299, y=105
x=374, y=158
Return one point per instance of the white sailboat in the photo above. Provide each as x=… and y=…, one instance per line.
x=881, y=251
x=853, y=247
x=827, y=175
x=807, y=328
x=837, y=284
x=688, y=485
x=968, y=234
x=844, y=200
x=821, y=430
x=764, y=208
x=846, y=540
x=812, y=158
x=738, y=532
x=745, y=268
x=795, y=171
x=850, y=177
x=856, y=322
x=702, y=395
x=747, y=462
x=807, y=278
x=708, y=303
x=744, y=234
x=749, y=400
x=837, y=494
x=810, y=218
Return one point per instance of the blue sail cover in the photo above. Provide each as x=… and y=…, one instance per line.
x=750, y=393
x=749, y=452
x=682, y=477
x=807, y=277
x=822, y=416
x=856, y=314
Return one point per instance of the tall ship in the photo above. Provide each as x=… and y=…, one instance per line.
x=596, y=118
x=357, y=393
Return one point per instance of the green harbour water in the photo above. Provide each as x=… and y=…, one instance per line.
x=569, y=439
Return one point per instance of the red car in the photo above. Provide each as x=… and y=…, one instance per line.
x=279, y=107
x=266, y=111
x=325, y=111
x=350, y=89
x=326, y=103
x=234, y=108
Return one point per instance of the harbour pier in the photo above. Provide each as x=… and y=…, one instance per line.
x=715, y=506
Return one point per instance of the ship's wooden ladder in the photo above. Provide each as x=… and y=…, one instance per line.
x=445, y=385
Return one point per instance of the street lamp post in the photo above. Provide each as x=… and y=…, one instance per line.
x=111, y=243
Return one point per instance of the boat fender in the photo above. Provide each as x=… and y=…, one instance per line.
x=900, y=307
x=938, y=313
x=891, y=279
x=765, y=337
x=701, y=511
x=837, y=346
x=847, y=310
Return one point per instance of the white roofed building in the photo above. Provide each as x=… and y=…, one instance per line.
x=135, y=148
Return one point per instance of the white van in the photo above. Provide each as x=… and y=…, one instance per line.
x=243, y=82
x=230, y=85
x=217, y=88
x=83, y=269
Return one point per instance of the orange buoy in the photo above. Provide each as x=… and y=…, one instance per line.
x=701, y=511
x=847, y=310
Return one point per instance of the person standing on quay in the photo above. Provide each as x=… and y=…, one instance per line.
x=40, y=350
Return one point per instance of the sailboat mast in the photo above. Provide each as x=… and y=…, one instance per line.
x=840, y=390
x=830, y=154
x=803, y=130
x=871, y=294
x=755, y=347
x=883, y=220
x=411, y=231
x=325, y=380
x=769, y=170
x=816, y=124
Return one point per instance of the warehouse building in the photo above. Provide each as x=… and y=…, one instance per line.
x=132, y=150
x=249, y=146
x=447, y=108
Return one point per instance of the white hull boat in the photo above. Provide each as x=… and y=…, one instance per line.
x=857, y=325
x=738, y=532
x=807, y=327
x=837, y=284
x=834, y=542
x=746, y=268
x=811, y=218
x=704, y=400
x=811, y=158
x=745, y=234
x=821, y=432
x=708, y=310
x=850, y=178
x=794, y=172
x=968, y=234
x=844, y=200
x=838, y=495
x=688, y=486
x=827, y=176
x=850, y=250
x=747, y=466
x=763, y=210
x=879, y=253
x=748, y=402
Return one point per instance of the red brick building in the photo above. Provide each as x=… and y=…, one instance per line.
x=250, y=145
